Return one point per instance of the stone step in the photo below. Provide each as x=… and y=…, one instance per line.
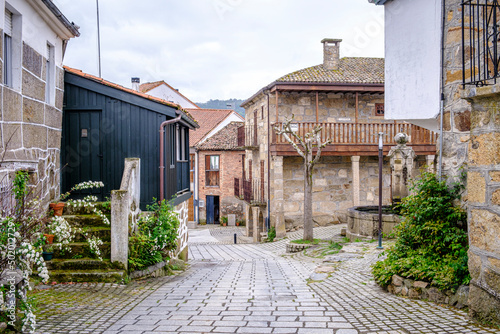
x=102, y=275
x=85, y=220
x=103, y=233
x=82, y=249
x=69, y=210
x=77, y=264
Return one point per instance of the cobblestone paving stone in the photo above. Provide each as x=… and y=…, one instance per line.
x=253, y=288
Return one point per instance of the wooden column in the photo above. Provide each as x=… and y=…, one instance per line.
x=317, y=106
x=357, y=112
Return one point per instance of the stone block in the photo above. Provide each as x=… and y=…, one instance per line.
x=33, y=87
x=34, y=136
x=53, y=117
x=484, y=229
x=12, y=136
x=495, y=176
x=462, y=121
x=12, y=105
x=33, y=111
x=484, y=149
x=305, y=101
x=476, y=187
x=483, y=307
x=413, y=293
x=495, y=197
x=59, y=99
x=323, y=219
x=397, y=280
x=59, y=78
x=434, y=295
x=342, y=173
x=32, y=60
x=492, y=279
x=54, y=138
x=291, y=207
x=474, y=265
x=420, y=284
x=495, y=263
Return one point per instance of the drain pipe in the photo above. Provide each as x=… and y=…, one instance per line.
x=162, y=158
x=441, y=139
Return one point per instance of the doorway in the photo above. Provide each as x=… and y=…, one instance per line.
x=212, y=209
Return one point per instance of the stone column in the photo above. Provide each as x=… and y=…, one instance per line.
x=119, y=226
x=355, y=180
x=255, y=222
x=483, y=194
x=430, y=163
x=248, y=220
x=277, y=197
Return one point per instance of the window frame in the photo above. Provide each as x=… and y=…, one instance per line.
x=50, y=79
x=7, y=49
x=377, y=108
x=209, y=170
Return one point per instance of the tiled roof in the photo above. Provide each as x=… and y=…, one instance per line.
x=351, y=70
x=147, y=86
x=125, y=89
x=224, y=140
x=207, y=120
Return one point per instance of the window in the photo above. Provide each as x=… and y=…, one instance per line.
x=182, y=153
x=212, y=170
x=172, y=135
x=379, y=109
x=7, y=49
x=50, y=75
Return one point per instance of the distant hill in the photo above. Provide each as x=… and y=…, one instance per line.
x=224, y=104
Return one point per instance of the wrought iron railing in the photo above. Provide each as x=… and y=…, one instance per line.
x=247, y=136
x=361, y=133
x=251, y=191
x=480, y=39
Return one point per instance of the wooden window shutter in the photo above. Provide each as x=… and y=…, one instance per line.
x=8, y=23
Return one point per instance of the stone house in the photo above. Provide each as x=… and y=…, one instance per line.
x=211, y=122
x=35, y=35
x=221, y=162
x=456, y=77
x=346, y=97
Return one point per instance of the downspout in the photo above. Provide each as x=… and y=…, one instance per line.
x=268, y=223
x=162, y=158
x=196, y=185
x=441, y=139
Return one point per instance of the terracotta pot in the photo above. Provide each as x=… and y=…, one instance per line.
x=49, y=237
x=57, y=208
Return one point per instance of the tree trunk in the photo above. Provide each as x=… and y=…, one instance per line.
x=308, y=221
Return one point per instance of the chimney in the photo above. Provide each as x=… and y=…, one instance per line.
x=135, y=83
x=331, y=53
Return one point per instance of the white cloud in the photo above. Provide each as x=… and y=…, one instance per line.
x=217, y=48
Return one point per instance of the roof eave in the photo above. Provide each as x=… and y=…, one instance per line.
x=52, y=15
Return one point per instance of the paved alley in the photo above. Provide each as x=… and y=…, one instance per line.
x=257, y=288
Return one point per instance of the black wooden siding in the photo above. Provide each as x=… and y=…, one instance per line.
x=127, y=131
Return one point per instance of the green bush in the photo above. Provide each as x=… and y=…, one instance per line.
x=271, y=234
x=155, y=237
x=431, y=240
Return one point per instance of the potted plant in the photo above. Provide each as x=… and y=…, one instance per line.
x=57, y=207
x=223, y=221
x=48, y=253
x=49, y=238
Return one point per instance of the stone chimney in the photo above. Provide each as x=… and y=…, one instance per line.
x=331, y=53
x=135, y=83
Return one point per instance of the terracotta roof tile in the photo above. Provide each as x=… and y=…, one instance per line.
x=224, y=140
x=351, y=70
x=147, y=86
x=125, y=89
x=207, y=120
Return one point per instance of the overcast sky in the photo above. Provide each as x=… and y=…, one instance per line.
x=217, y=49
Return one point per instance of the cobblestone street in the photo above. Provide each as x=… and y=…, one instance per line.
x=249, y=288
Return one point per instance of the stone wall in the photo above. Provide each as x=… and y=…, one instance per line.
x=483, y=190
x=230, y=167
x=30, y=128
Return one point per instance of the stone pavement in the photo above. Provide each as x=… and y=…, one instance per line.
x=257, y=288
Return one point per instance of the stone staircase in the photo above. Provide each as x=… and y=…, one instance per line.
x=80, y=265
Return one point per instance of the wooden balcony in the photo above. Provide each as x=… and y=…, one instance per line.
x=247, y=137
x=358, y=138
x=251, y=191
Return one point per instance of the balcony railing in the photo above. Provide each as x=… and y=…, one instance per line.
x=247, y=136
x=361, y=133
x=251, y=191
x=480, y=38
x=182, y=176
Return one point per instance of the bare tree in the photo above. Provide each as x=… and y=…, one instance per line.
x=306, y=152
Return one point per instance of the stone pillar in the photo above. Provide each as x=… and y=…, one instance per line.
x=355, y=180
x=255, y=223
x=402, y=163
x=277, y=197
x=483, y=194
x=248, y=220
x=430, y=163
x=119, y=226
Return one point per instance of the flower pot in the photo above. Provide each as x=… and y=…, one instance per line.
x=49, y=238
x=57, y=208
x=47, y=256
x=237, y=224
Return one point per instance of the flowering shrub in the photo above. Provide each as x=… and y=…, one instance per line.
x=21, y=246
x=155, y=238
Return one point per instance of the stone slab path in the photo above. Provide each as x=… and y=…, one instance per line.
x=257, y=288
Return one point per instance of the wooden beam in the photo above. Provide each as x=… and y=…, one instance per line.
x=317, y=106
x=333, y=88
x=357, y=111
